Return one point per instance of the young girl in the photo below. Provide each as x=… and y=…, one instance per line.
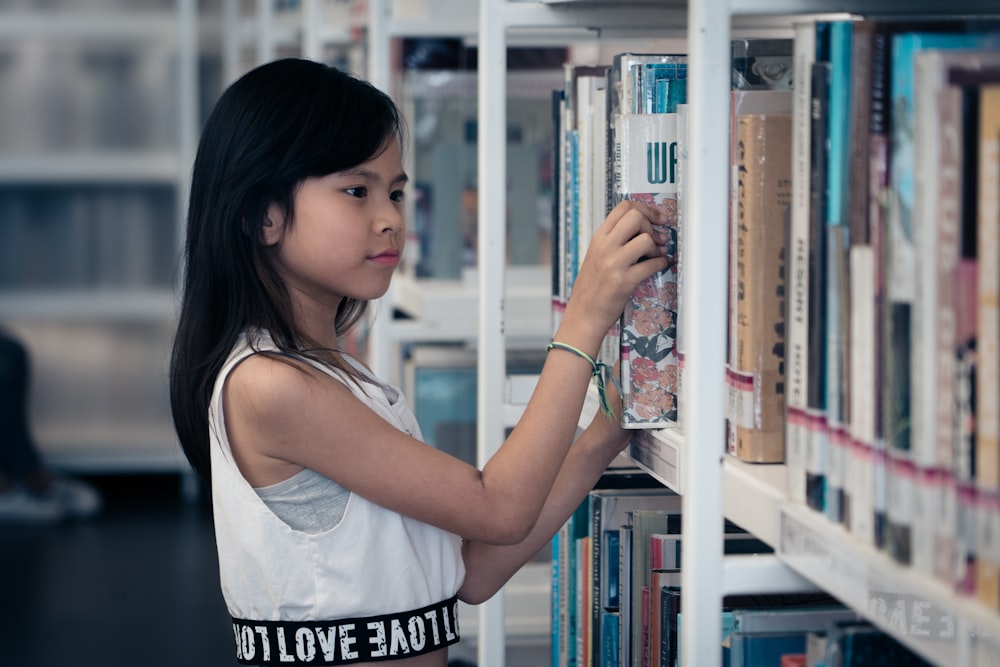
x=342, y=538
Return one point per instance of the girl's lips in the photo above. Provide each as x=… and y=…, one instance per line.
x=388, y=258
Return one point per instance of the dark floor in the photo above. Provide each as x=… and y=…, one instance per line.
x=136, y=586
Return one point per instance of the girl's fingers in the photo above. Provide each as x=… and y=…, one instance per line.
x=650, y=212
x=624, y=251
x=634, y=235
x=643, y=245
x=630, y=219
x=645, y=268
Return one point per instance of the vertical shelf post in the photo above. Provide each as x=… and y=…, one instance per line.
x=381, y=347
x=492, y=205
x=187, y=134
x=265, y=31
x=705, y=329
x=232, y=37
x=313, y=24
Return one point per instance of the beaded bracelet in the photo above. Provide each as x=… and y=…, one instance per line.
x=597, y=373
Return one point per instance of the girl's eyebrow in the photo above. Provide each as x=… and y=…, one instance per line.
x=400, y=178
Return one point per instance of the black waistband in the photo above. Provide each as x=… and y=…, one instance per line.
x=348, y=641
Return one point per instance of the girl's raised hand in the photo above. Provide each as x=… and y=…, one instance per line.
x=627, y=248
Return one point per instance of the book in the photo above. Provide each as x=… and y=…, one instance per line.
x=759, y=63
x=936, y=153
x=987, y=382
x=592, y=126
x=863, y=461
x=819, y=84
x=860, y=360
x=859, y=463
x=860, y=644
x=816, y=647
x=610, y=640
x=965, y=358
x=555, y=614
x=625, y=628
x=837, y=248
x=682, y=163
x=557, y=257
x=583, y=584
x=864, y=507
x=583, y=124
x=796, y=609
x=609, y=510
x=797, y=259
x=565, y=568
x=670, y=610
x=665, y=557
x=756, y=369
x=937, y=221
x=644, y=524
x=880, y=147
x=645, y=152
x=660, y=578
x=762, y=79
x=761, y=636
x=900, y=271
x=964, y=432
x=667, y=602
x=568, y=618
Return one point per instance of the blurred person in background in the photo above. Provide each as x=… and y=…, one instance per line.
x=29, y=490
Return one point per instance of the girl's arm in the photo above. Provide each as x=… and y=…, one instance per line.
x=488, y=567
x=281, y=418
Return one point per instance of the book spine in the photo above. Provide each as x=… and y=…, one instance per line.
x=682, y=162
x=900, y=281
x=625, y=596
x=948, y=250
x=860, y=468
x=965, y=296
x=609, y=639
x=584, y=168
x=899, y=296
x=926, y=390
x=556, y=613
x=837, y=313
x=797, y=304
x=645, y=523
x=763, y=157
x=878, y=184
x=861, y=388
x=987, y=388
x=648, y=325
x=558, y=207
x=815, y=394
x=596, y=564
x=646, y=632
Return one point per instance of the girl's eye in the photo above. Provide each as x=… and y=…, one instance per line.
x=357, y=191
x=397, y=195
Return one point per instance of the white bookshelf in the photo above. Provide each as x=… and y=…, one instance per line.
x=65, y=60
x=253, y=32
x=810, y=551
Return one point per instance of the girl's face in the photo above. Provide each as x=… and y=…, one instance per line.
x=347, y=234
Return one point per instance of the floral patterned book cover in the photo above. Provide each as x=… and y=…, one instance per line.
x=648, y=169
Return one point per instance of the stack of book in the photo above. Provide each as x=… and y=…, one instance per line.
x=892, y=421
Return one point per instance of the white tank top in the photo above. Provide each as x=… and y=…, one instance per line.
x=374, y=562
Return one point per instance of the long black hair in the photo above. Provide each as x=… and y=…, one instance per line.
x=277, y=125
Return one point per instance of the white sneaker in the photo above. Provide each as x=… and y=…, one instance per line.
x=19, y=506
x=77, y=499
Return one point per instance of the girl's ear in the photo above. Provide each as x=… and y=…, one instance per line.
x=273, y=225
